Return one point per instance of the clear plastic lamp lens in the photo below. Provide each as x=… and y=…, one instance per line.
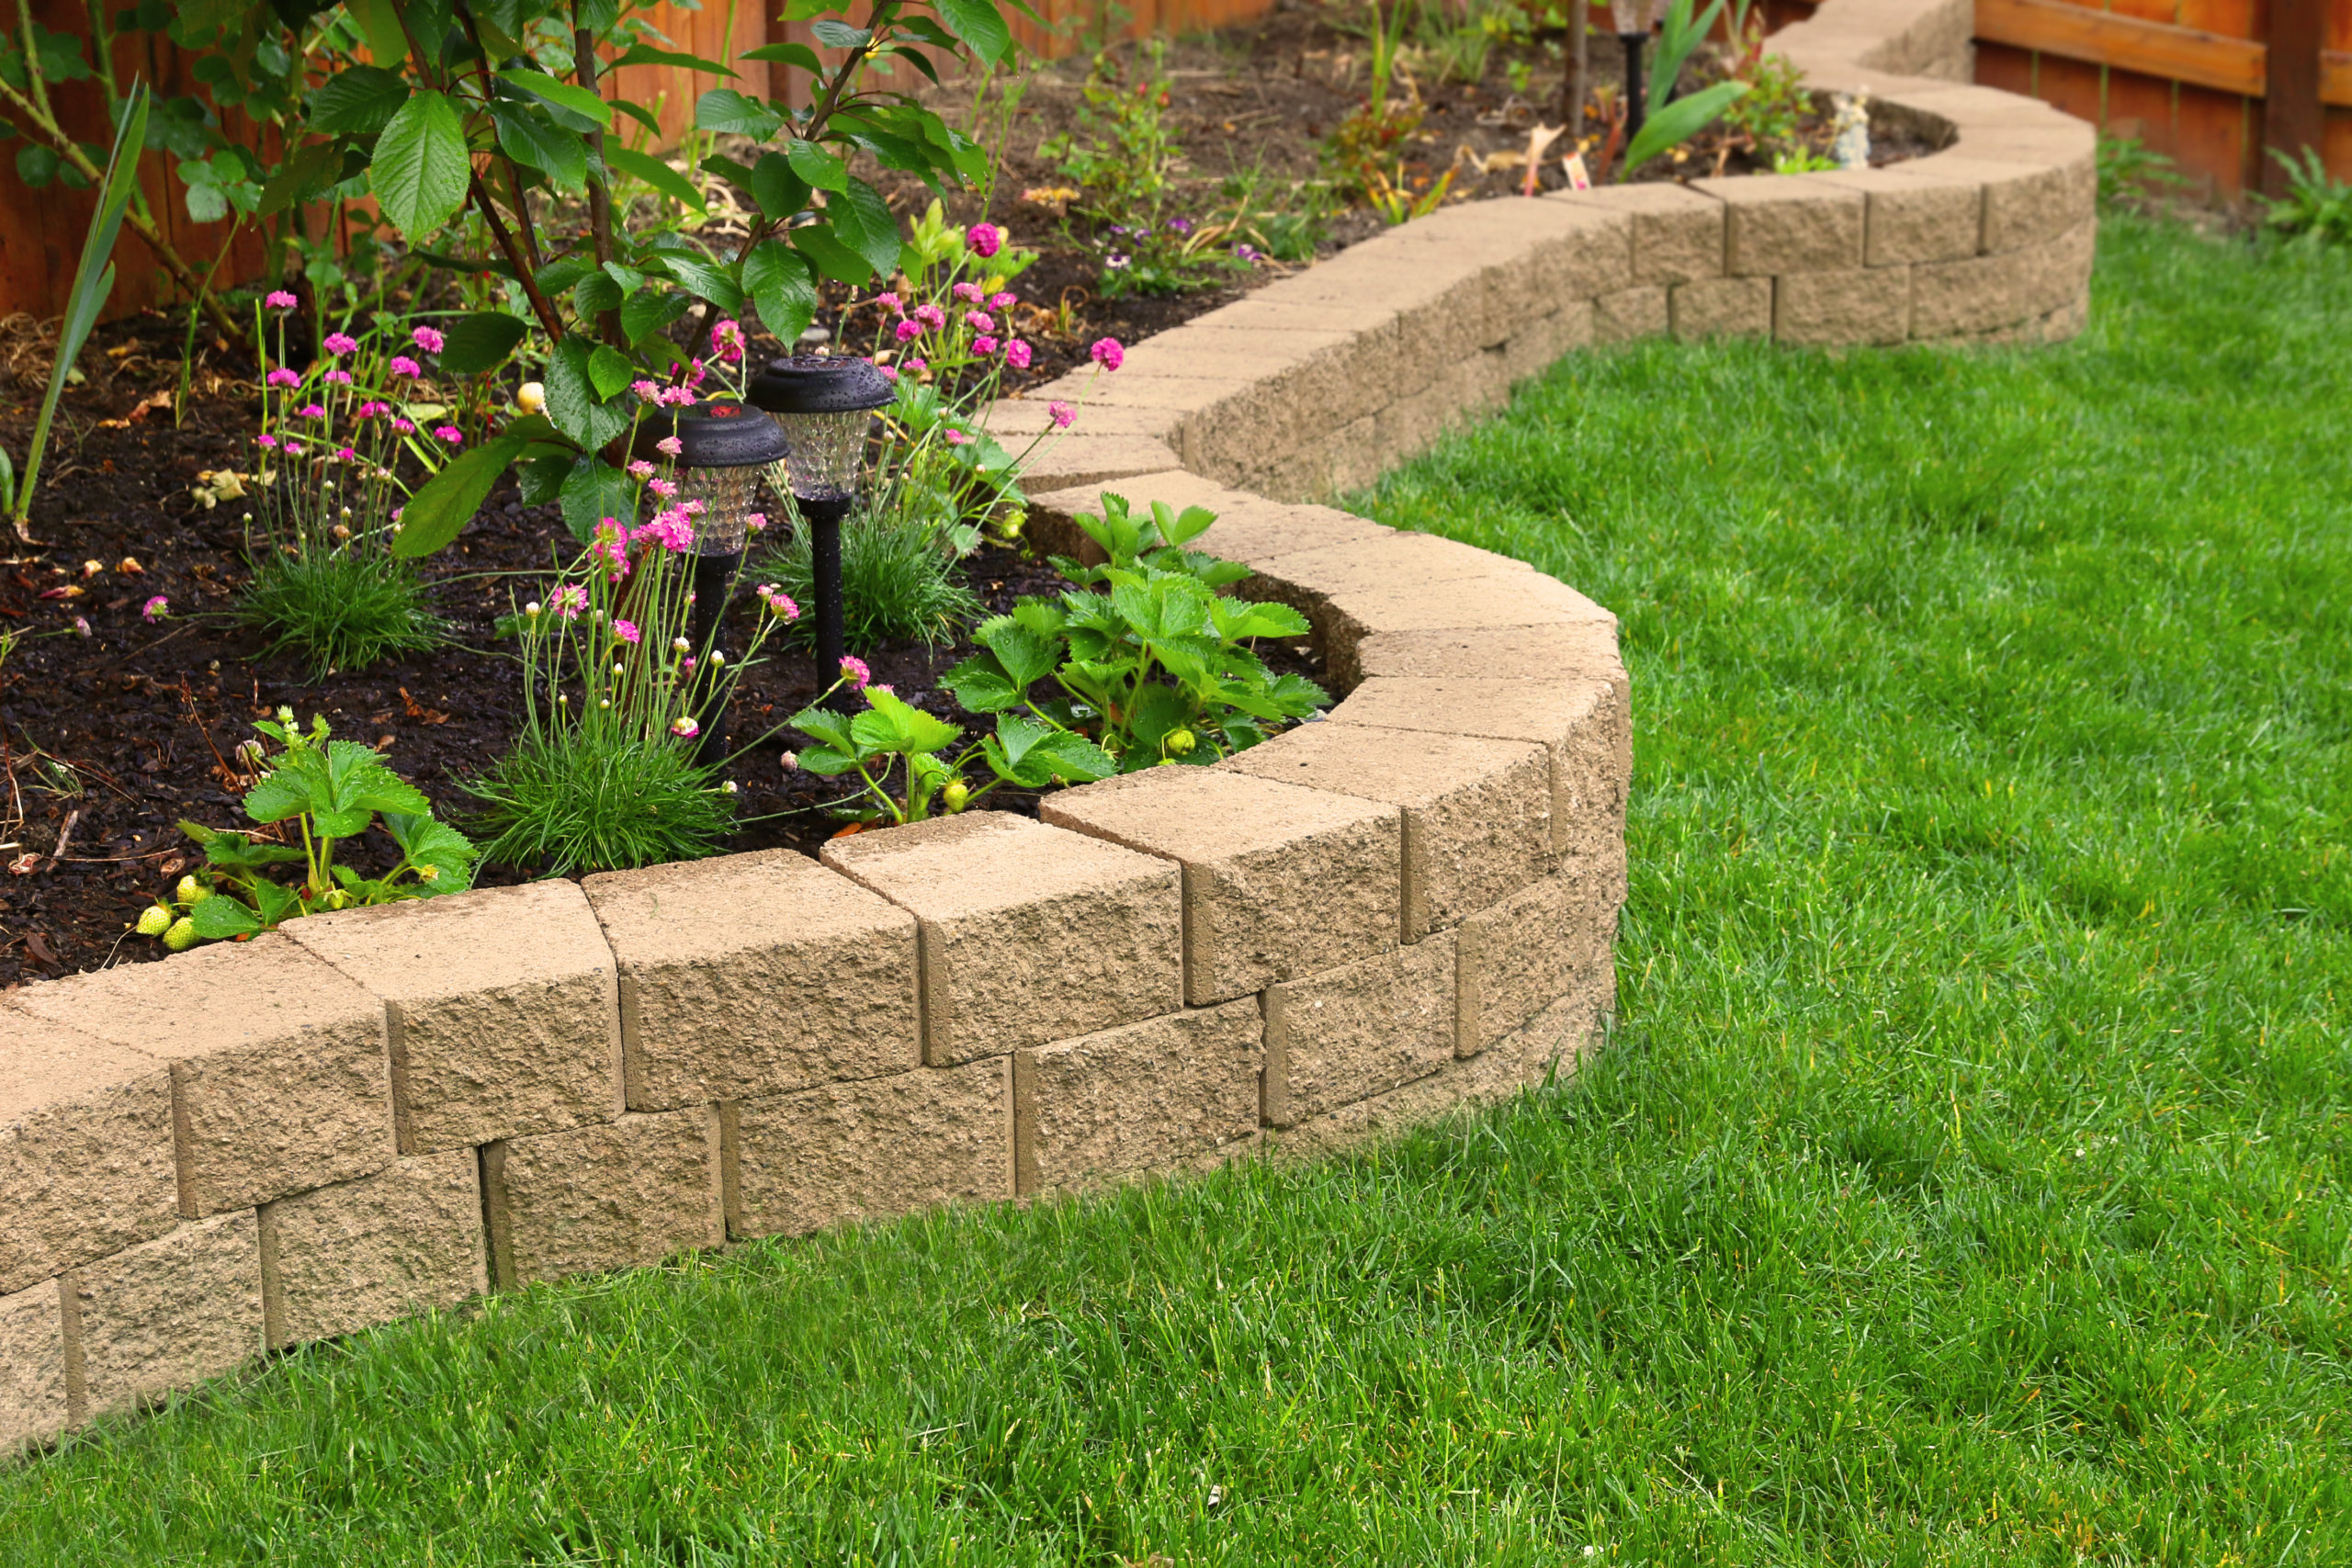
x=1630, y=15
x=827, y=451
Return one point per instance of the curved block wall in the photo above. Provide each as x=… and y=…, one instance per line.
x=1404, y=907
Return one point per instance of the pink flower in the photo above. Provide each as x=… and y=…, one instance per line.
x=428, y=339
x=312, y=411
x=404, y=365
x=756, y=520
x=626, y=631
x=340, y=377
x=692, y=509
x=986, y=240
x=81, y=627
x=670, y=446
x=978, y=320
x=931, y=315
x=281, y=376
x=345, y=455
x=665, y=489
x=984, y=345
x=854, y=670
x=292, y=446
x=968, y=292
x=571, y=599
x=1107, y=352
x=450, y=434
x=1061, y=414
x=907, y=332
x=889, y=372
x=684, y=727
x=670, y=529
x=1004, y=301
x=695, y=375
x=726, y=340
x=279, y=299
x=918, y=365
x=268, y=443
x=645, y=389
x=406, y=427
x=956, y=437
x=679, y=397
x=641, y=469
x=778, y=602
x=340, y=343
x=1016, y=354
x=372, y=407
x=891, y=302
x=156, y=609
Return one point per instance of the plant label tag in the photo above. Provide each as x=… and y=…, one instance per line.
x=1578, y=177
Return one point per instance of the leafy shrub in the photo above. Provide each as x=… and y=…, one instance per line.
x=894, y=740
x=2129, y=167
x=2316, y=209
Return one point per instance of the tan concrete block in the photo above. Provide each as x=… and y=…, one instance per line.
x=1916, y=215
x=1787, y=223
x=1532, y=254
x=1248, y=527
x=1015, y=419
x=500, y=1003
x=623, y=1195
x=1177, y=395
x=1359, y=1030
x=1526, y=952
x=1477, y=813
x=1866, y=305
x=1678, y=233
x=1540, y=341
x=1313, y=580
x=1077, y=458
x=405, y=1240
x=2047, y=192
x=1501, y=599
x=34, y=1406
x=1586, y=649
x=1295, y=395
x=280, y=1071
x=1586, y=725
x=1966, y=299
x=1300, y=303
x=1176, y=1093
x=85, y=1149
x=1029, y=933
x=870, y=1150
x=1278, y=880
x=1630, y=313
x=1725, y=307
x=169, y=1313
x=755, y=974
x=1464, y=389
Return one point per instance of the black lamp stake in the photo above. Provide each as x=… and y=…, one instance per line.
x=1634, y=90
x=824, y=515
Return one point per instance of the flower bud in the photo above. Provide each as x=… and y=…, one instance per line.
x=727, y=788
x=956, y=795
x=532, y=609
x=717, y=658
x=428, y=873
x=1180, y=742
x=181, y=935
x=679, y=645
x=154, y=921
x=791, y=761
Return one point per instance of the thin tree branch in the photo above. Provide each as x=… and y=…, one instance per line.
x=550, y=316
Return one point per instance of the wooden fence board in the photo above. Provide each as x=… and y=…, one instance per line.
x=2104, y=38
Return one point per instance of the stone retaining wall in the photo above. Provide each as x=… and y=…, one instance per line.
x=1403, y=909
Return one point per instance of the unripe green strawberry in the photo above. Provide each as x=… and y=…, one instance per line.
x=956, y=795
x=181, y=936
x=1180, y=742
x=154, y=921
x=191, y=891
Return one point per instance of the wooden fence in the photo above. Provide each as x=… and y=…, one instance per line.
x=2211, y=84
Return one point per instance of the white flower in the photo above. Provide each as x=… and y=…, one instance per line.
x=532, y=608
x=716, y=658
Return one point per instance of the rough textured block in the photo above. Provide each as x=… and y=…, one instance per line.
x=1630, y=313
x=1678, y=233
x=869, y=1150
x=169, y=1313
x=1314, y=581
x=1539, y=342
x=1586, y=649
x=1967, y=298
x=1278, y=880
x=1175, y=1093
x=34, y=1408
x=755, y=974
x=1077, y=458
x=405, y=1240
x=1503, y=597
x=1724, y=307
x=1028, y=933
x=1531, y=949
x=2029, y=201
x=623, y=1195
x=1359, y=1030
x=281, y=1072
x=1586, y=725
x=1477, y=813
x=500, y=1004
x=1785, y=225
x=1865, y=305
x=1926, y=212
x=85, y=1149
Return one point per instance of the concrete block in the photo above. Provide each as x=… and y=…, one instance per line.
x=168, y=1313
x=1278, y=880
x=405, y=1240
x=1312, y=581
x=1028, y=933
x=1503, y=597
x=2044, y=192
x=1177, y=1093
x=1586, y=649
x=1916, y=212
x=1966, y=299
x=35, y=1409
x=755, y=974
x=623, y=1195
x=1787, y=224
x=1032, y=416
x=1079, y=457
x=281, y=1072
x=1724, y=307
x=1865, y=305
x=1540, y=341
x=1359, y=1030
x=85, y=1149
x=1585, y=725
x=500, y=1005
x=1678, y=233
x=1630, y=313
x=1477, y=813
x=870, y=1150
x=1526, y=952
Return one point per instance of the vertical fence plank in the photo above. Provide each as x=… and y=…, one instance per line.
x=2292, y=117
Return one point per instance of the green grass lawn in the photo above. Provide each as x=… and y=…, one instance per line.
x=1966, y=1183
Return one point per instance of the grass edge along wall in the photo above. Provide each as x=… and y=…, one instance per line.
x=380, y=1110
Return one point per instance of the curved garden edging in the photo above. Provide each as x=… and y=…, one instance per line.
x=1362, y=924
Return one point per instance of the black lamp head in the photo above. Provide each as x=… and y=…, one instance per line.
x=822, y=403
x=712, y=435
x=820, y=383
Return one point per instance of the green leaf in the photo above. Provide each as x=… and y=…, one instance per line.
x=798, y=54
x=825, y=761
x=299, y=177
x=276, y=904
x=726, y=110
x=826, y=726
x=358, y=100
x=820, y=166
x=283, y=794
x=219, y=917
x=592, y=492
x=657, y=173
x=835, y=34
x=1182, y=527
x=705, y=277
x=480, y=341
x=610, y=370
x=1239, y=619
x=978, y=23
x=541, y=479
x=572, y=402
x=235, y=852
x=427, y=843
x=832, y=258
x=550, y=149
x=361, y=782
x=778, y=279
x=596, y=294
x=380, y=20
x=980, y=684
x=420, y=170
x=865, y=222
x=780, y=193
x=579, y=100
x=206, y=204
x=891, y=725
x=1075, y=758
x=447, y=502
x=1678, y=122
x=646, y=55
x=562, y=273
x=649, y=310
x=1025, y=656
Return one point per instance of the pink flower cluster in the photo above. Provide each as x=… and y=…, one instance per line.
x=570, y=599
x=341, y=343
x=428, y=339
x=855, y=670
x=778, y=602
x=672, y=528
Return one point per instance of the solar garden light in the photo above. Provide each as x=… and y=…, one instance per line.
x=723, y=450
x=823, y=404
x=1633, y=21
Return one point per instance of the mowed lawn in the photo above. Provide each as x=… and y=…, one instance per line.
x=1965, y=1182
